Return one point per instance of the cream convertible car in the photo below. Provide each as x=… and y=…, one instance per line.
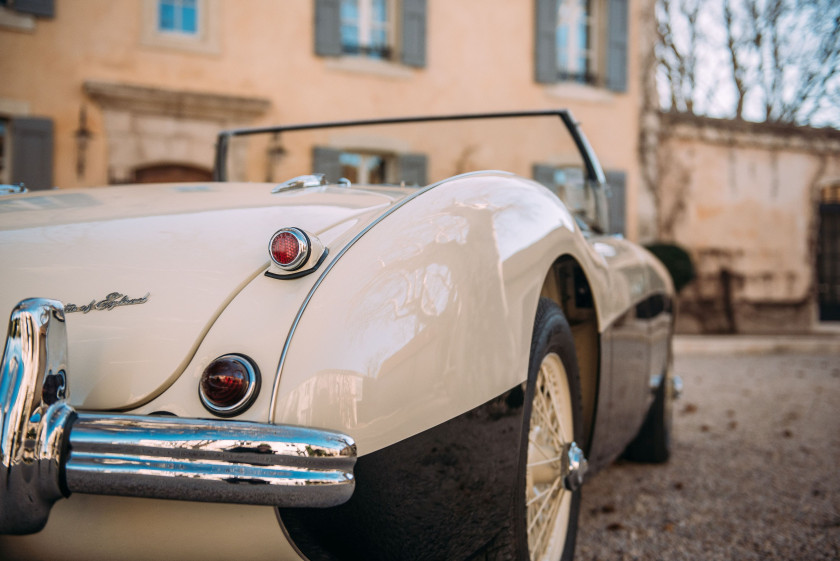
x=396, y=353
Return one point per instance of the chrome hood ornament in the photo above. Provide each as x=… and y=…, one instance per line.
x=113, y=300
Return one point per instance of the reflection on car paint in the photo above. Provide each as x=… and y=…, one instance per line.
x=440, y=494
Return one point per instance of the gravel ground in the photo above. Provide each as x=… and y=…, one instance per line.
x=754, y=472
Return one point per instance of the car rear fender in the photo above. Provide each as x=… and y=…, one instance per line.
x=428, y=314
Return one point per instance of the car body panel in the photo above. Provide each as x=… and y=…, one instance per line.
x=633, y=345
x=95, y=243
x=129, y=528
x=442, y=493
x=419, y=328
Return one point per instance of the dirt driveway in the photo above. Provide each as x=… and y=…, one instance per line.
x=755, y=473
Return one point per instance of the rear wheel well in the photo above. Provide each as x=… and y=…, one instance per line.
x=567, y=285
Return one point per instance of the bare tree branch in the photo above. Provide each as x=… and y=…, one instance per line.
x=782, y=58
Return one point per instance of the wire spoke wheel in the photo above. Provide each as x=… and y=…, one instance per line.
x=551, y=432
x=550, y=465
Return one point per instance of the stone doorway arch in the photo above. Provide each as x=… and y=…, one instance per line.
x=145, y=126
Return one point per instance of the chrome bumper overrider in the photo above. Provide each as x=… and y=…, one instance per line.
x=48, y=450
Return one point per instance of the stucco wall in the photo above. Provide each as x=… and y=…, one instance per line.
x=479, y=58
x=744, y=199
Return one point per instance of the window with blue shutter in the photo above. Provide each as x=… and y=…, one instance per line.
x=364, y=167
x=370, y=168
x=368, y=28
x=570, y=185
x=567, y=41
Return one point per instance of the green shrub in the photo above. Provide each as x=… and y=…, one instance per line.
x=676, y=260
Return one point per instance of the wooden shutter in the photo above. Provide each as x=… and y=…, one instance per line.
x=326, y=161
x=328, y=27
x=40, y=8
x=32, y=152
x=617, y=45
x=544, y=174
x=413, y=169
x=545, y=41
x=414, y=33
x=617, y=204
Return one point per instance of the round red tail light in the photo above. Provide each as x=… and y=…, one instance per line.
x=229, y=385
x=289, y=248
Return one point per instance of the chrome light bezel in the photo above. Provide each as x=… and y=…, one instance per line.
x=246, y=401
x=304, y=248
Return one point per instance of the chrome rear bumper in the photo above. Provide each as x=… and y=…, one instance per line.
x=48, y=450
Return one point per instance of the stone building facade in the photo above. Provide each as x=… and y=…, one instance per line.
x=97, y=92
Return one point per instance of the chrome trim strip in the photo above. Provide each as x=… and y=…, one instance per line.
x=388, y=212
x=48, y=451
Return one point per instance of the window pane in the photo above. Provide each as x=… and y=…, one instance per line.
x=573, y=41
x=350, y=38
x=350, y=27
x=188, y=19
x=570, y=186
x=378, y=43
x=349, y=10
x=350, y=164
x=376, y=169
x=178, y=16
x=562, y=47
x=365, y=28
x=166, y=21
x=380, y=11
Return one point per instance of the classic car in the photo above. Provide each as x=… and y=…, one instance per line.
x=365, y=340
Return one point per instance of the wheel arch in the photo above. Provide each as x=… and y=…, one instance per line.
x=568, y=286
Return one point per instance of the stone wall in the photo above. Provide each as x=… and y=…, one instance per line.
x=743, y=199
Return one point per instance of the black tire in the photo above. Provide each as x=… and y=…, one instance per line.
x=551, y=335
x=653, y=443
